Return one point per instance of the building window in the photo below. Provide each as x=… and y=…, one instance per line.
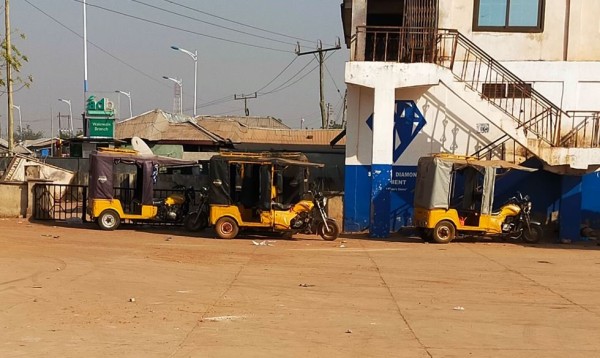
x=509, y=15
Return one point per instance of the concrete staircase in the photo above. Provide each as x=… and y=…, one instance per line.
x=567, y=142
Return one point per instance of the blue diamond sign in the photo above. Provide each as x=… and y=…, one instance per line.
x=408, y=122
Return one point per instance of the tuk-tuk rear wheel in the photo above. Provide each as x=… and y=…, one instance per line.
x=227, y=228
x=109, y=220
x=444, y=232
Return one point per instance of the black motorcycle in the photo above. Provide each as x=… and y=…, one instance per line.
x=315, y=220
x=176, y=206
x=198, y=220
x=521, y=226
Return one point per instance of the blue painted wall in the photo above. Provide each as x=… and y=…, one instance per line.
x=357, y=197
x=590, y=200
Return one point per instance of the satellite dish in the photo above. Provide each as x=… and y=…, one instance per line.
x=138, y=144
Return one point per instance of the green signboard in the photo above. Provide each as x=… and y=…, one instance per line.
x=101, y=127
x=100, y=118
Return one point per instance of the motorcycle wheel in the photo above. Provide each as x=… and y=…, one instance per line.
x=332, y=233
x=226, y=228
x=534, y=235
x=195, y=222
x=444, y=232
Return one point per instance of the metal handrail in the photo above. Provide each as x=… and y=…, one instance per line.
x=585, y=129
x=530, y=109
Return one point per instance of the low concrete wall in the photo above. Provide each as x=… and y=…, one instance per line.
x=13, y=199
x=335, y=208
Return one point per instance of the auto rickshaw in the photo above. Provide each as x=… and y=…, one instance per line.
x=266, y=192
x=109, y=205
x=454, y=197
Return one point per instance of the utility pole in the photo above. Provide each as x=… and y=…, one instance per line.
x=321, y=57
x=9, y=76
x=328, y=115
x=245, y=98
x=60, y=130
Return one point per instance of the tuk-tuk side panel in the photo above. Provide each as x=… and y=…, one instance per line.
x=491, y=224
x=97, y=206
x=219, y=187
x=428, y=218
x=219, y=211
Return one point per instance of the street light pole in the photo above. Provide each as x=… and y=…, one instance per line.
x=194, y=56
x=180, y=84
x=18, y=108
x=128, y=94
x=67, y=101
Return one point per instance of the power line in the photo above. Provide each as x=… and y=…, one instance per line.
x=96, y=46
x=237, y=22
x=180, y=29
x=211, y=23
x=321, y=52
x=290, y=79
x=279, y=74
x=333, y=80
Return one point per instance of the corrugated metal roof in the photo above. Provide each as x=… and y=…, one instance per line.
x=157, y=125
x=240, y=133
x=260, y=122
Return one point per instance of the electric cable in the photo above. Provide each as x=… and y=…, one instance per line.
x=181, y=29
x=96, y=46
x=237, y=22
x=211, y=23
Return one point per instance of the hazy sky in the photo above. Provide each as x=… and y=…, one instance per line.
x=129, y=50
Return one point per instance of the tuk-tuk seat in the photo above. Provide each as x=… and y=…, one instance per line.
x=156, y=201
x=280, y=206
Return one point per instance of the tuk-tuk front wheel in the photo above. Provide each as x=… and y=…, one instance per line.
x=329, y=233
x=226, y=228
x=109, y=220
x=444, y=232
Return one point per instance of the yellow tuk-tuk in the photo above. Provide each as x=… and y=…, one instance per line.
x=266, y=192
x=454, y=197
x=109, y=205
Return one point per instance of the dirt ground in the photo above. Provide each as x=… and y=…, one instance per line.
x=75, y=291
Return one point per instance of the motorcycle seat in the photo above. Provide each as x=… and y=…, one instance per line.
x=280, y=206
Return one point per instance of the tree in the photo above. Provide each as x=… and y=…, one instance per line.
x=16, y=63
x=28, y=133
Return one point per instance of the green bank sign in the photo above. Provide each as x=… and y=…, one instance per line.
x=101, y=127
x=100, y=118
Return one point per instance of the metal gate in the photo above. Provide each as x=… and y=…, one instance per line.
x=59, y=201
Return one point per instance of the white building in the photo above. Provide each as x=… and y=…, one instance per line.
x=514, y=79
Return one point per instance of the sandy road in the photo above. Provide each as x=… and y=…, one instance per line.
x=67, y=291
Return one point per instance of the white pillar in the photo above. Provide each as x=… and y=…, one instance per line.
x=382, y=160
